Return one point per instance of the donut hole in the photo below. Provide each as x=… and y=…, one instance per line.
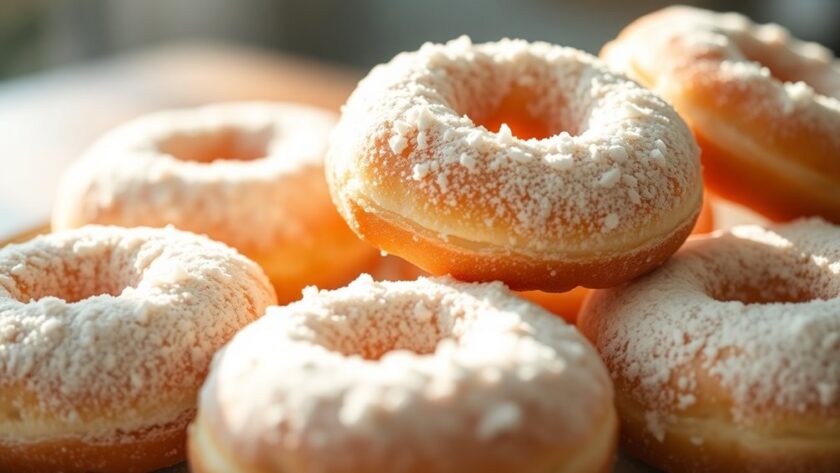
x=372, y=334
x=772, y=291
x=533, y=104
x=513, y=110
x=763, y=273
x=75, y=278
x=223, y=144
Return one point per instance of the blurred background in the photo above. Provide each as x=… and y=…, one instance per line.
x=42, y=34
x=72, y=69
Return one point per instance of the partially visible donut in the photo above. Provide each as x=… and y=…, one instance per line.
x=427, y=376
x=727, y=358
x=765, y=107
x=247, y=174
x=105, y=337
x=522, y=162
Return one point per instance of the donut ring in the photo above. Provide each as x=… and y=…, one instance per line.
x=247, y=174
x=469, y=376
x=764, y=107
x=606, y=188
x=727, y=358
x=105, y=337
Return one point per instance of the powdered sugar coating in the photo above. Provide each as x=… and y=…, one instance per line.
x=101, y=327
x=709, y=316
x=131, y=176
x=467, y=375
x=563, y=193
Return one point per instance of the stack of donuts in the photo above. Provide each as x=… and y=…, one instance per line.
x=269, y=288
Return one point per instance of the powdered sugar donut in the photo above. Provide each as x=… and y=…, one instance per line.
x=765, y=107
x=727, y=358
x=590, y=179
x=429, y=376
x=247, y=174
x=105, y=337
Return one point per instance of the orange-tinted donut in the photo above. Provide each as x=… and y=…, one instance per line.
x=601, y=182
x=106, y=334
x=727, y=358
x=765, y=107
x=247, y=174
x=425, y=376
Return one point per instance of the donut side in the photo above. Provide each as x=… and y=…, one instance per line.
x=132, y=452
x=470, y=262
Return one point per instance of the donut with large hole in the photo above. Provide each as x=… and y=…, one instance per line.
x=522, y=162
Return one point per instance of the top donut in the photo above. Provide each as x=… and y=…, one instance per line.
x=525, y=162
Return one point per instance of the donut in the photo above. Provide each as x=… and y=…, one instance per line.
x=106, y=335
x=247, y=174
x=765, y=107
x=432, y=375
x=727, y=358
x=527, y=163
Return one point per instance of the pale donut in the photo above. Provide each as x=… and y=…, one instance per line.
x=428, y=376
x=606, y=190
x=727, y=358
x=246, y=174
x=765, y=107
x=106, y=335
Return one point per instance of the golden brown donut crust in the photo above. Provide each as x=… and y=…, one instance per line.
x=127, y=455
x=518, y=271
x=721, y=451
x=202, y=445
